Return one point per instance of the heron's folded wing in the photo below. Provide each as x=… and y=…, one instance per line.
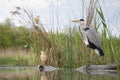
x=94, y=37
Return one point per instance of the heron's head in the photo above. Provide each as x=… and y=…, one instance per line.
x=78, y=21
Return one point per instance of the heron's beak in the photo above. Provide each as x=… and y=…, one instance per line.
x=76, y=21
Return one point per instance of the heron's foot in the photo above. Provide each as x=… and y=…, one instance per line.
x=87, y=68
x=88, y=65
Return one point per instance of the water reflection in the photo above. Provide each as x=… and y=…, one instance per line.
x=58, y=74
x=43, y=76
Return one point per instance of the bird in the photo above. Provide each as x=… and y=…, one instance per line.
x=90, y=37
x=43, y=58
x=37, y=19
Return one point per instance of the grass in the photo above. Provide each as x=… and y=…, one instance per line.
x=10, y=57
x=69, y=51
x=65, y=49
x=74, y=53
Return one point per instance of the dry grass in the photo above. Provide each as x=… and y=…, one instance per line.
x=14, y=52
x=64, y=50
x=13, y=57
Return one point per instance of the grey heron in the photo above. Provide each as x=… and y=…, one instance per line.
x=90, y=37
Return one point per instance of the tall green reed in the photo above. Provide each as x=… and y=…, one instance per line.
x=67, y=49
x=106, y=33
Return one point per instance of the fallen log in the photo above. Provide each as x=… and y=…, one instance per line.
x=45, y=68
x=100, y=67
x=108, y=69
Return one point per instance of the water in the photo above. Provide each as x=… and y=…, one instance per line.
x=32, y=73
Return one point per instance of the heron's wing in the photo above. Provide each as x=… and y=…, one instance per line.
x=94, y=37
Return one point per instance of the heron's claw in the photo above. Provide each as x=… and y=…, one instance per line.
x=88, y=65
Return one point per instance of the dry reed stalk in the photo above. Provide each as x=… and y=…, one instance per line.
x=91, y=10
x=44, y=35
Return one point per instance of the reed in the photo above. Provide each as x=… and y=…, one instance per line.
x=67, y=49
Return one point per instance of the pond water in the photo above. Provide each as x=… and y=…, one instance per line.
x=31, y=73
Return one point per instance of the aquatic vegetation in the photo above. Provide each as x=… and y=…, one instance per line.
x=63, y=48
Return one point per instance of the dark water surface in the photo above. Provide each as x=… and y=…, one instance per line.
x=31, y=73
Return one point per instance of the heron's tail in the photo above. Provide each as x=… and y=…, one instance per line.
x=99, y=52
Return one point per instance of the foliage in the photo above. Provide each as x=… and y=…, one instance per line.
x=13, y=36
x=63, y=49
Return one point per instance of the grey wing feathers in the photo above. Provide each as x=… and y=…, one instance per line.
x=94, y=37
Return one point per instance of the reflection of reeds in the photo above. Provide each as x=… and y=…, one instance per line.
x=16, y=74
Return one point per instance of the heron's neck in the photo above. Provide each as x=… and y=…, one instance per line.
x=82, y=25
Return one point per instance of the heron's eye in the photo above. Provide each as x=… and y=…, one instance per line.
x=81, y=19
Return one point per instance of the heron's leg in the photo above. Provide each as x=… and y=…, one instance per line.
x=90, y=60
x=91, y=57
